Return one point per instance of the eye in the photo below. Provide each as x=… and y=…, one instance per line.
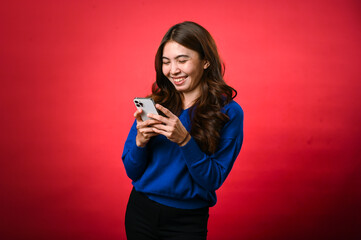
x=182, y=61
x=166, y=63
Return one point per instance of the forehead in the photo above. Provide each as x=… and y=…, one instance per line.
x=173, y=49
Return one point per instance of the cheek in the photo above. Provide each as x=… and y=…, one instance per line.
x=165, y=70
x=195, y=71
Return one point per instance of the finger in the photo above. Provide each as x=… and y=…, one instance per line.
x=160, y=118
x=162, y=132
x=151, y=122
x=139, y=111
x=153, y=134
x=165, y=111
x=148, y=135
x=137, y=115
x=147, y=123
x=161, y=127
x=147, y=130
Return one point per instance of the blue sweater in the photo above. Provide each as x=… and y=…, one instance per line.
x=183, y=177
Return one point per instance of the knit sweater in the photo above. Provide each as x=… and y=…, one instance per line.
x=183, y=177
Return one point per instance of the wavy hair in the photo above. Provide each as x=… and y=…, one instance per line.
x=206, y=117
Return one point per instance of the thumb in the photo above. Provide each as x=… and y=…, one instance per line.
x=137, y=115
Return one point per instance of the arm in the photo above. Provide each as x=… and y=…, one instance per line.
x=134, y=157
x=210, y=171
x=135, y=154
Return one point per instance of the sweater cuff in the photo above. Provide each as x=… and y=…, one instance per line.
x=138, y=152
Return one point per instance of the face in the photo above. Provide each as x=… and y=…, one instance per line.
x=183, y=67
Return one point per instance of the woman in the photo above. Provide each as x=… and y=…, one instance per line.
x=177, y=160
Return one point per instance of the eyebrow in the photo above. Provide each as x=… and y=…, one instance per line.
x=179, y=56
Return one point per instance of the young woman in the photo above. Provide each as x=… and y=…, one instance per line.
x=177, y=160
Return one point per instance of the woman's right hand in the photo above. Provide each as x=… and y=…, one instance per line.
x=144, y=129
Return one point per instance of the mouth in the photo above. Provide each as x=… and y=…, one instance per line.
x=179, y=80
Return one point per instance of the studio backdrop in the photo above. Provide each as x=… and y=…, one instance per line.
x=69, y=71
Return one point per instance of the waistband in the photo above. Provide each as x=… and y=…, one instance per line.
x=175, y=203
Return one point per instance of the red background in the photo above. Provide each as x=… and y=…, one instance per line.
x=70, y=69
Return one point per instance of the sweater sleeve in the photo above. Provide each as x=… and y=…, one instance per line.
x=134, y=157
x=210, y=171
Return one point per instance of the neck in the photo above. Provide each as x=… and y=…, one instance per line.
x=189, y=98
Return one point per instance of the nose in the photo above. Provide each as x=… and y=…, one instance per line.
x=174, y=69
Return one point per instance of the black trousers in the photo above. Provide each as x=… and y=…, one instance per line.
x=149, y=220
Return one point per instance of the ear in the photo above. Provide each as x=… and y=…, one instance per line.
x=206, y=64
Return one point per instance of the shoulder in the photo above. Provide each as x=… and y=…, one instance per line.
x=234, y=127
x=233, y=110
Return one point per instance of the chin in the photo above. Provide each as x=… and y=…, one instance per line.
x=181, y=89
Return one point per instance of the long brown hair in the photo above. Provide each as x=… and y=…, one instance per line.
x=207, y=119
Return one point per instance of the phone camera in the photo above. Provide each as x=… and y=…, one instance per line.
x=138, y=104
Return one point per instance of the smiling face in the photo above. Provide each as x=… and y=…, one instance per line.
x=183, y=67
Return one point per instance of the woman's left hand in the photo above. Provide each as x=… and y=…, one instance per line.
x=171, y=127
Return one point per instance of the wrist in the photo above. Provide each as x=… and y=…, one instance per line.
x=185, y=140
x=139, y=143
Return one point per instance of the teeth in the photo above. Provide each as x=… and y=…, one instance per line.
x=178, y=79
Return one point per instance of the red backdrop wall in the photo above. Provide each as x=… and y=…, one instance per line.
x=70, y=69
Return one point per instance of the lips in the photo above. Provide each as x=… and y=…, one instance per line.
x=179, y=80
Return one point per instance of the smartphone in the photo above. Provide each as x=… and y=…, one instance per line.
x=147, y=105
